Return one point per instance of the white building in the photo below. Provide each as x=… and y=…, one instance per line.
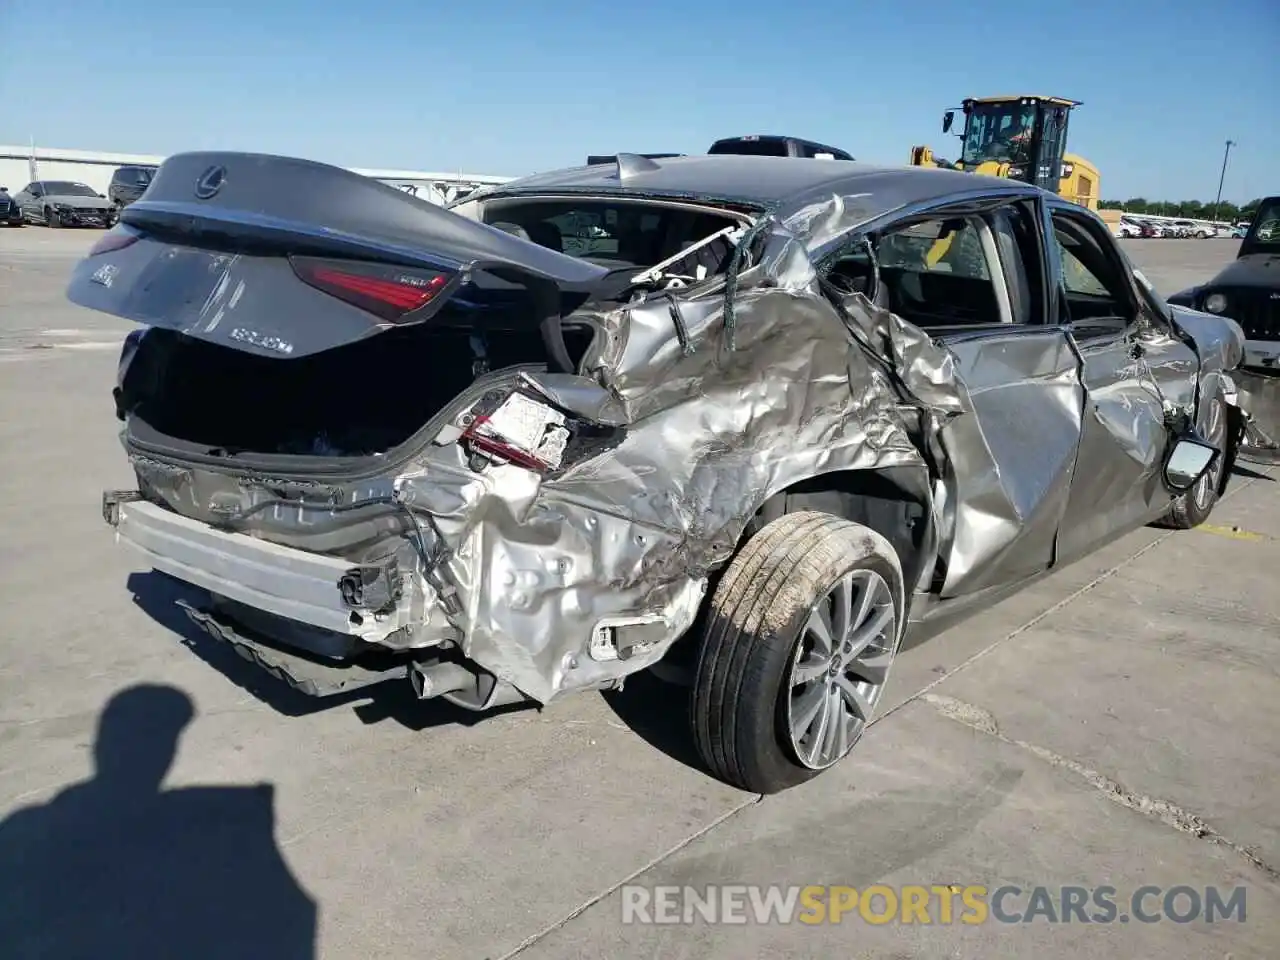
x=20, y=165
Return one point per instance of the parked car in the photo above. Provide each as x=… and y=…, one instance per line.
x=10, y=212
x=546, y=472
x=1135, y=227
x=64, y=203
x=128, y=184
x=1188, y=228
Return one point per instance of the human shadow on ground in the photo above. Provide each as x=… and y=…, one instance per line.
x=117, y=866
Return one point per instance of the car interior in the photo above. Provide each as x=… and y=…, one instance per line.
x=982, y=269
x=948, y=272
x=614, y=233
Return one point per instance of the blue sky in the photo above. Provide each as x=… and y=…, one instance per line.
x=500, y=88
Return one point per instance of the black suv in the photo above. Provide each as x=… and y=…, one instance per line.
x=10, y=212
x=128, y=184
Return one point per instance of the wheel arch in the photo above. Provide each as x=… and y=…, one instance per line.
x=895, y=502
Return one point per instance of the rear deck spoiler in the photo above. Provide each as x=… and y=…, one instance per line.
x=285, y=201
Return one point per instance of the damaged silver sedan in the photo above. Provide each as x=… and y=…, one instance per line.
x=749, y=420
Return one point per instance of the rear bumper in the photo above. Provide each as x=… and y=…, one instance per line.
x=327, y=593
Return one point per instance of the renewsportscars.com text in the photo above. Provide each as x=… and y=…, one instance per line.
x=933, y=904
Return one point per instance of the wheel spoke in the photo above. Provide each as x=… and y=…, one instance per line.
x=844, y=618
x=867, y=633
x=810, y=669
x=858, y=701
x=835, y=723
x=872, y=669
x=866, y=597
x=819, y=627
x=842, y=739
x=805, y=711
x=825, y=719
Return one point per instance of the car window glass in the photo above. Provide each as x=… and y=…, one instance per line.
x=939, y=273
x=936, y=246
x=1094, y=276
x=1077, y=277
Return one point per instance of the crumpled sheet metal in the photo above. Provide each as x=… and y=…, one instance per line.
x=1260, y=398
x=712, y=434
x=721, y=419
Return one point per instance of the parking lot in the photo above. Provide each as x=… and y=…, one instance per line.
x=1113, y=725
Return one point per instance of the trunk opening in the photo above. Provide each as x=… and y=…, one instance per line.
x=359, y=400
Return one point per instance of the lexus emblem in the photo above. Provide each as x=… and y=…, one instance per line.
x=211, y=182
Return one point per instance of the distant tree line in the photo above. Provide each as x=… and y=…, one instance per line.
x=1190, y=209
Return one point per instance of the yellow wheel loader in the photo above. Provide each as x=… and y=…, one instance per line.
x=1022, y=137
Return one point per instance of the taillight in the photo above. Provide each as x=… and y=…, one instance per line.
x=117, y=238
x=513, y=426
x=391, y=293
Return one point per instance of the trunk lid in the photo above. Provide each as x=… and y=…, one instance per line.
x=285, y=257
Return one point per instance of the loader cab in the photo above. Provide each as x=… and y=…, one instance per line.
x=1023, y=138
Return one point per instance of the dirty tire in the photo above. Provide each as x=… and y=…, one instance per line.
x=1192, y=508
x=740, y=692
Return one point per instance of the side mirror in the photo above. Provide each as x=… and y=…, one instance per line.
x=948, y=118
x=1189, y=460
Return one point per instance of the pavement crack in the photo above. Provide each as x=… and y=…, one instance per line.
x=1165, y=811
x=590, y=902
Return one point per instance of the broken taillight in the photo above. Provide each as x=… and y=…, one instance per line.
x=518, y=425
x=520, y=429
x=392, y=293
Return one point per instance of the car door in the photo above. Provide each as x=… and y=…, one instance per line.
x=1133, y=368
x=28, y=200
x=975, y=282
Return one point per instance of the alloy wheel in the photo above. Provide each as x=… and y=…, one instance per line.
x=839, y=669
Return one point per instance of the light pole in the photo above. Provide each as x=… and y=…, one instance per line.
x=1221, y=179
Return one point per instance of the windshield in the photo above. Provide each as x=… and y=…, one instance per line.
x=611, y=231
x=1266, y=224
x=138, y=175
x=998, y=131
x=65, y=188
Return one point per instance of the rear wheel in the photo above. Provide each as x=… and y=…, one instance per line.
x=1192, y=507
x=801, y=633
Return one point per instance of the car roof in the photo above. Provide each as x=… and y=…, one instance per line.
x=780, y=183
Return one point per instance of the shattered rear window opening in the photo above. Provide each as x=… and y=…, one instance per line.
x=611, y=230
